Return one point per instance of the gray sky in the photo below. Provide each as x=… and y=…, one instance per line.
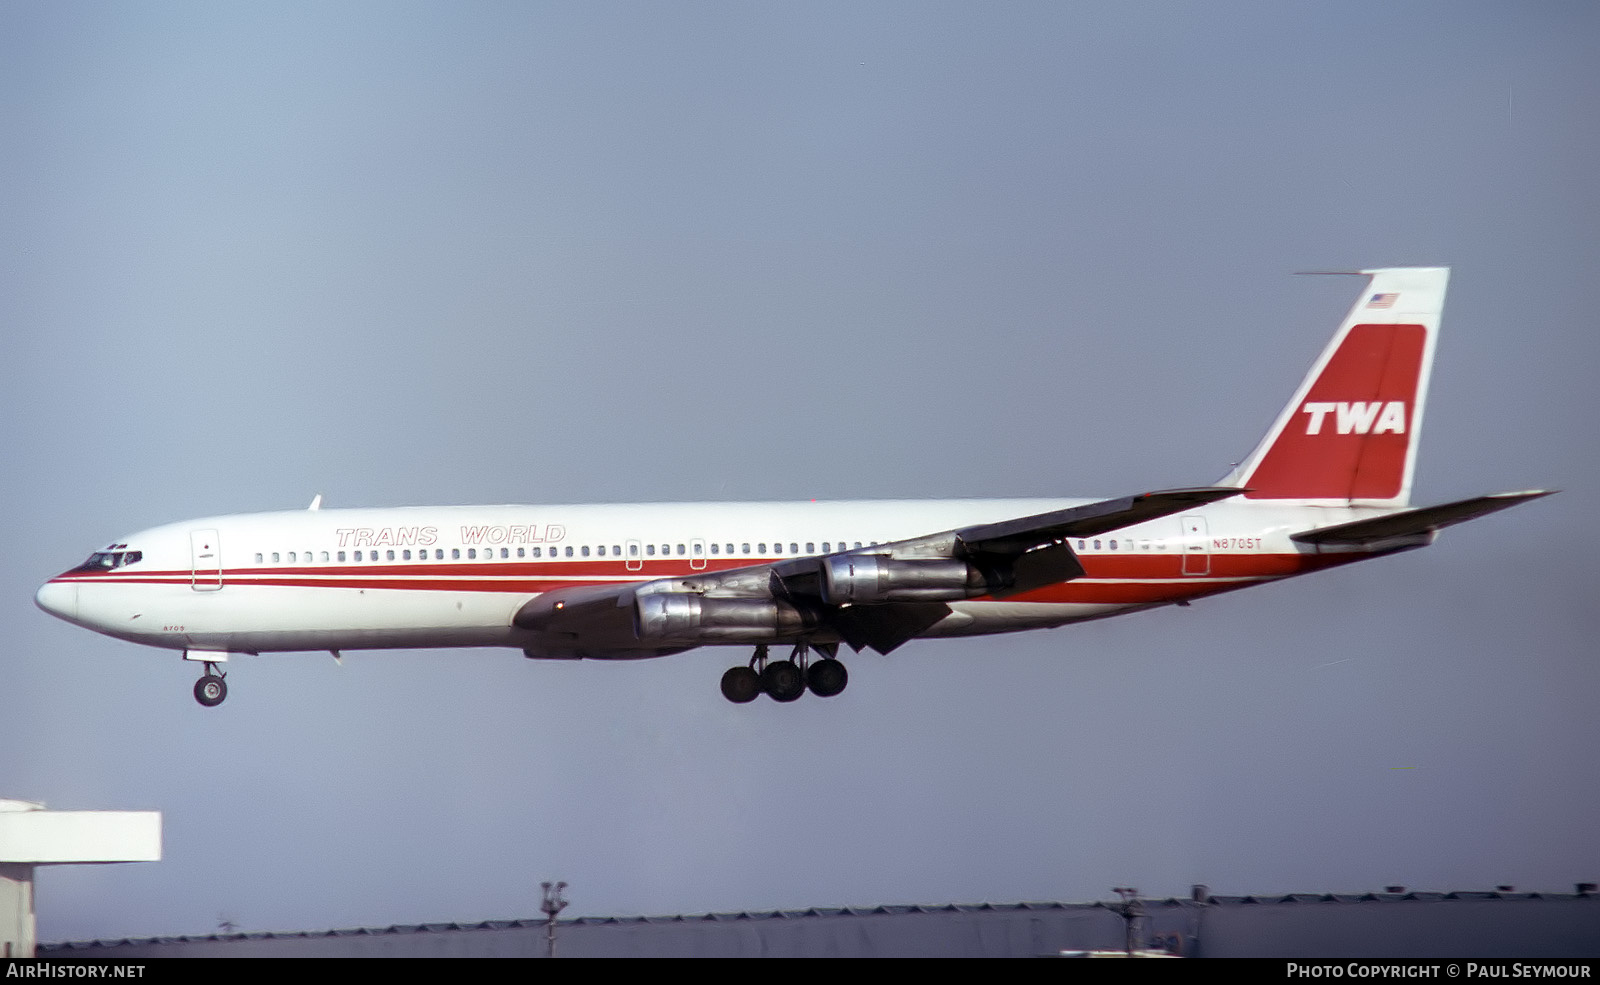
x=456, y=253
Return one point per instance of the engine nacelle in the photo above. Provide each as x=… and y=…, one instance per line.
x=867, y=578
x=689, y=618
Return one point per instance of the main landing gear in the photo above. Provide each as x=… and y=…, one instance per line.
x=211, y=689
x=786, y=680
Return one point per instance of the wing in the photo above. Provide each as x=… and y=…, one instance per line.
x=877, y=597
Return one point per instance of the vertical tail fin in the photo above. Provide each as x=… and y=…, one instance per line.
x=1350, y=433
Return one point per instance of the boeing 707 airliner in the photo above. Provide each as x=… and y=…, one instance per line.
x=1329, y=484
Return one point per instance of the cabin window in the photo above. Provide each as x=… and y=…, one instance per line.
x=810, y=547
x=341, y=557
x=258, y=559
x=633, y=550
x=585, y=551
x=505, y=552
x=714, y=548
x=455, y=554
x=390, y=554
x=699, y=549
x=569, y=552
x=405, y=555
x=762, y=547
x=275, y=557
x=747, y=548
x=650, y=549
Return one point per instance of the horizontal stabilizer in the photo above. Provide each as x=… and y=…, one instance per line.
x=1418, y=521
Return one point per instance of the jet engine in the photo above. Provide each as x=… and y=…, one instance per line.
x=868, y=578
x=689, y=617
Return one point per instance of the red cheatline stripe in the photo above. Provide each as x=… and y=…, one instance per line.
x=1097, y=566
x=1128, y=580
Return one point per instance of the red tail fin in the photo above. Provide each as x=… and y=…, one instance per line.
x=1350, y=433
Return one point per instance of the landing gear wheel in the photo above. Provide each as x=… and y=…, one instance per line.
x=783, y=681
x=210, y=690
x=740, y=685
x=826, y=678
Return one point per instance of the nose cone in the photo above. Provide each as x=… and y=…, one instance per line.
x=60, y=599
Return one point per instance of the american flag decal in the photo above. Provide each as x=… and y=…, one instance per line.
x=1382, y=301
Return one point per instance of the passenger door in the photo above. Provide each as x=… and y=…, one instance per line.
x=1196, y=559
x=205, y=560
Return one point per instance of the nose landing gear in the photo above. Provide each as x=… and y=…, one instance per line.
x=786, y=680
x=211, y=689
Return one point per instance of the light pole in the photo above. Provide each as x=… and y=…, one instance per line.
x=1130, y=910
x=553, y=904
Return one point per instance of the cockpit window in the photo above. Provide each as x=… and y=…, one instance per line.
x=108, y=560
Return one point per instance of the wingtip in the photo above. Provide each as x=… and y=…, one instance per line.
x=1203, y=493
x=1526, y=494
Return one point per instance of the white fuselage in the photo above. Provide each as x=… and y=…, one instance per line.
x=456, y=576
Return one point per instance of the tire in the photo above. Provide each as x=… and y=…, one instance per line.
x=741, y=685
x=827, y=678
x=783, y=681
x=210, y=690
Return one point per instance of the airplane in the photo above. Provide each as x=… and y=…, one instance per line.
x=1328, y=485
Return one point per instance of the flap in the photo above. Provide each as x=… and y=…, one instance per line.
x=1023, y=534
